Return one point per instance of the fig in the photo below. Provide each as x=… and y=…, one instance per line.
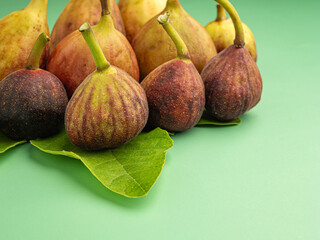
x=136, y=13
x=175, y=90
x=33, y=101
x=154, y=47
x=109, y=108
x=18, y=31
x=232, y=79
x=222, y=33
x=71, y=60
x=77, y=12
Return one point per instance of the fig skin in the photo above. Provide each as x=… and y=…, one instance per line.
x=222, y=34
x=232, y=82
x=33, y=104
x=77, y=12
x=136, y=13
x=71, y=60
x=154, y=47
x=18, y=31
x=107, y=110
x=176, y=96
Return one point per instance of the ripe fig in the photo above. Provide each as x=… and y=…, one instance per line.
x=33, y=101
x=77, y=12
x=154, y=47
x=71, y=60
x=175, y=90
x=136, y=13
x=222, y=33
x=17, y=34
x=232, y=79
x=109, y=108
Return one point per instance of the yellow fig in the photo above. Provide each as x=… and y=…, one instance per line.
x=17, y=33
x=154, y=47
x=222, y=33
x=136, y=13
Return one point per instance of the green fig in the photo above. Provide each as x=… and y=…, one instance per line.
x=77, y=12
x=17, y=34
x=175, y=90
x=136, y=13
x=232, y=79
x=33, y=101
x=222, y=33
x=109, y=108
x=74, y=55
x=154, y=47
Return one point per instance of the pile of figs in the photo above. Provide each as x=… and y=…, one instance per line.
x=111, y=70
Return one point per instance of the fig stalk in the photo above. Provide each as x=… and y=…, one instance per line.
x=239, y=39
x=98, y=56
x=221, y=13
x=182, y=49
x=35, y=54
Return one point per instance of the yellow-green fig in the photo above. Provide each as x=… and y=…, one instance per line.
x=109, y=108
x=77, y=12
x=136, y=13
x=154, y=47
x=222, y=33
x=72, y=62
x=17, y=33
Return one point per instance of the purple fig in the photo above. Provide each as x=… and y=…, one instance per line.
x=232, y=79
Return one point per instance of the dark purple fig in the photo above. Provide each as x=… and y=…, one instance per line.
x=33, y=101
x=175, y=90
x=232, y=79
x=109, y=108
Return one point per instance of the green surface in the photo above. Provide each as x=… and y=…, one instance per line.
x=258, y=180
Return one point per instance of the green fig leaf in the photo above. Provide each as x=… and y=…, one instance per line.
x=130, y=170
x=207, y=120
x=6, y=143
x=204, y=121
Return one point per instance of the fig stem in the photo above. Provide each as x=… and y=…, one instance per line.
x=37, y=49
x=172, y=3
x=105, y=7
x=239, y=39
x=36, y=4
x=106, y=21
x=98, y=56
x=221, y=13
x=182, y=49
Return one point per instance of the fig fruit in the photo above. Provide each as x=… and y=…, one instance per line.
x=33, y=101
x=136, y=13
x=77, y=12
x=175, y=90
x=18, y=31
x=222, y=33
x=109, y=108
x=232, y=79
x=154, y=47
x=71, y=60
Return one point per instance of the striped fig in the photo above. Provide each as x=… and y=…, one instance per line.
x=175, y=90
x=109, y=108
x=232, y=79
x=72, y=62
x=33, y=101
x=77, y=12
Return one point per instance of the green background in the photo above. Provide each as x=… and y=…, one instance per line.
x=259, y=180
